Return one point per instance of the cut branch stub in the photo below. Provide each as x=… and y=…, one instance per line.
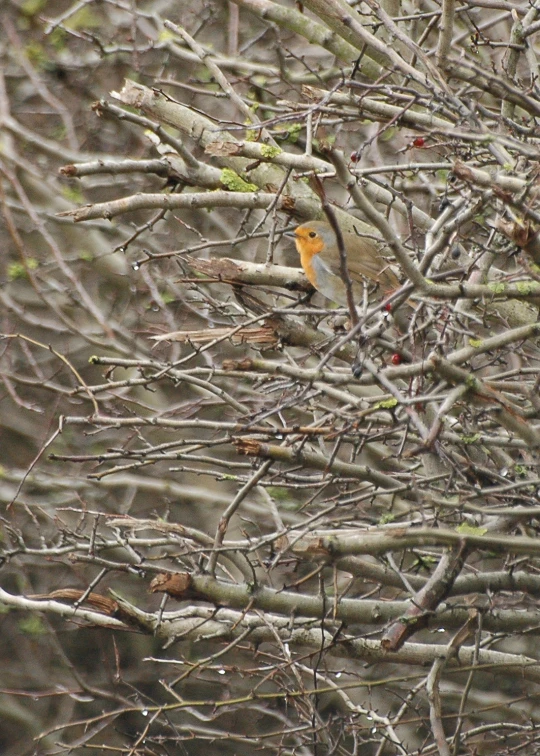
x=175, y=584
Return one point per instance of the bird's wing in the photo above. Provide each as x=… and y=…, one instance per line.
x=373, y=268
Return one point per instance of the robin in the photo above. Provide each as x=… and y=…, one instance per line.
x=319, y=255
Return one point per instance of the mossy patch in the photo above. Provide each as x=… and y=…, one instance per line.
x=235, y=183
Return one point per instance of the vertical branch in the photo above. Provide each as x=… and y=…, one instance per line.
x=435, y=711
x=234, y=20
x=446, y=33
x=343, y=268
x=517, y=40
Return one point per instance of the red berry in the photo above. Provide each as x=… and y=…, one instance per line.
x=419, y=142
x=355, y=157
x=388, y=307
x=396, y=359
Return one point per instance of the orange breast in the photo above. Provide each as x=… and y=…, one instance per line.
x=307, y=249
x=306, y=258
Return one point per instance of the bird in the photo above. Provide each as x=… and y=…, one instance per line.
x=317, y=246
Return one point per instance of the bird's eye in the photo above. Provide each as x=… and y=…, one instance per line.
x=312, y=234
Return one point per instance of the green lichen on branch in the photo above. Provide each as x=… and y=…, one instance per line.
x=386, y=404
x=527, y=287
x=497, y=287
x=268, y=151
x=235, y=183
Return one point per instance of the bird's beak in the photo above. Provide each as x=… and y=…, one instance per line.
x=290, y=234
